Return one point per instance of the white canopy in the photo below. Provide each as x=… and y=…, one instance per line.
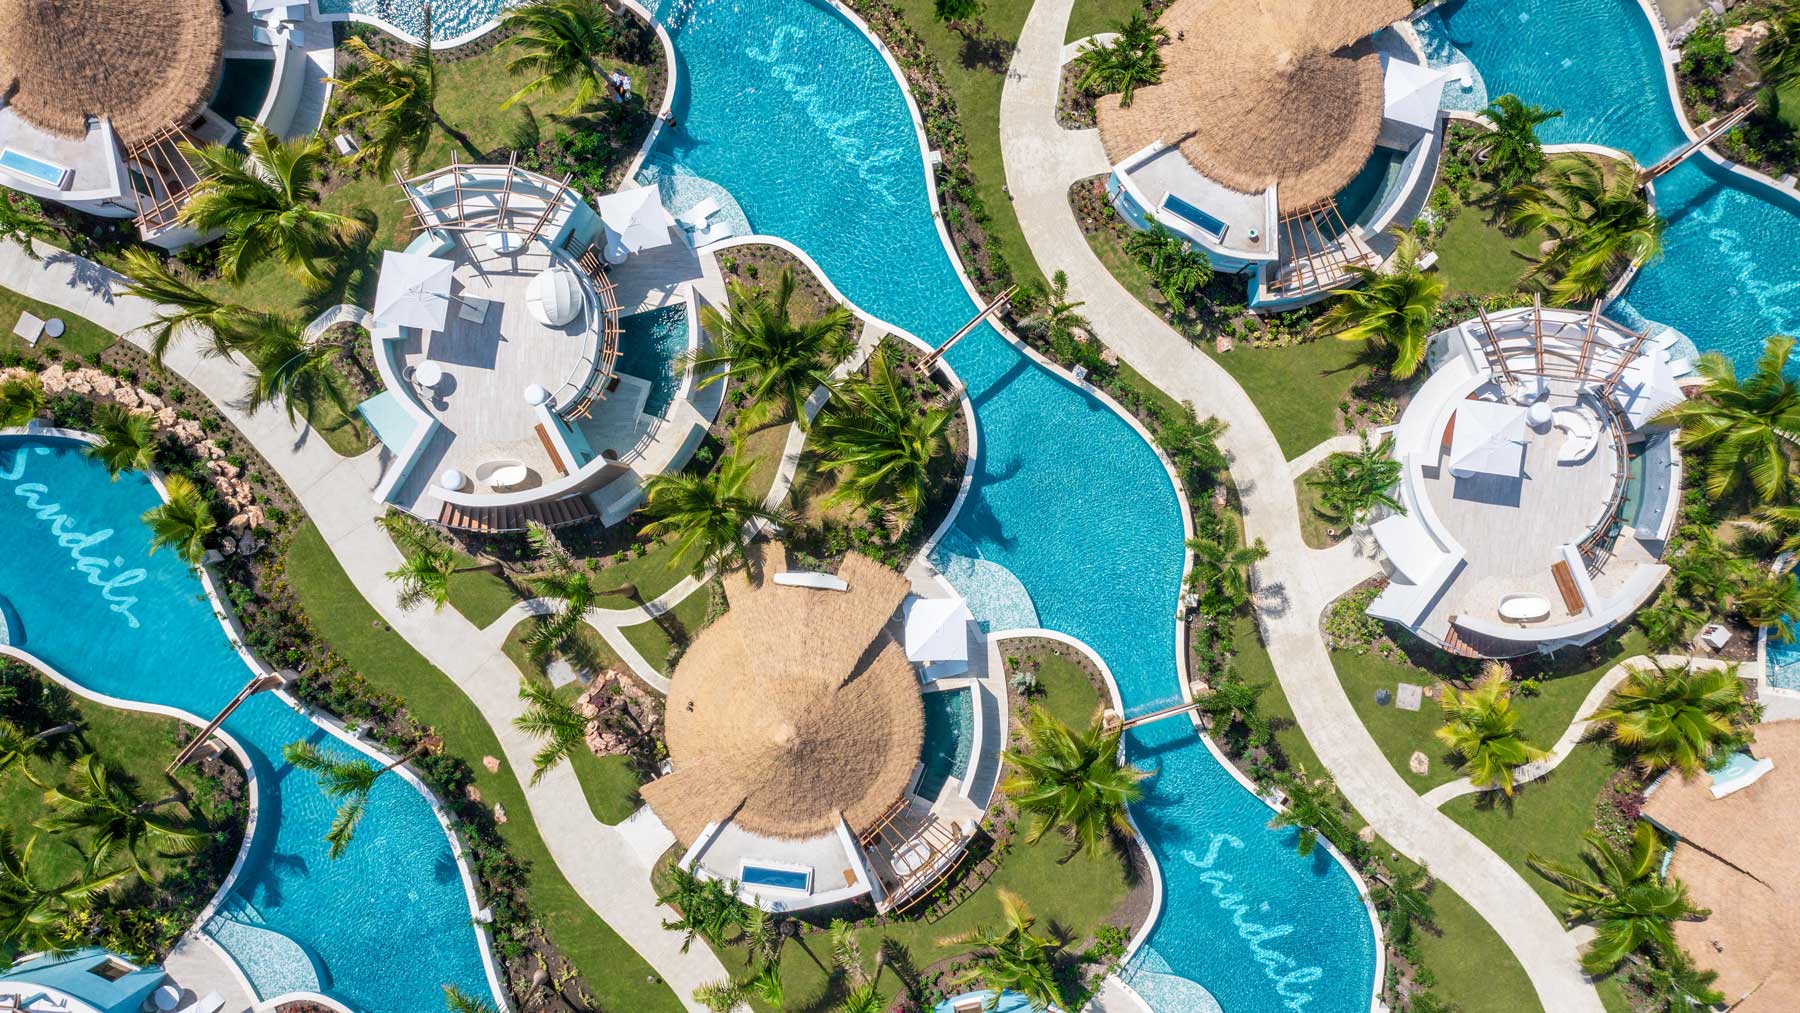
x=554, y=296
x=414, y=290
x=1411, y=93
x=1647, y=387
x=1489, y=440
x=937, y=629
x=635, y=218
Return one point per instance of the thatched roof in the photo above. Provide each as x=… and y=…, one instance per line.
x=1256, y=92
x=1737, y=858
x=795, y=706
x=141, y=65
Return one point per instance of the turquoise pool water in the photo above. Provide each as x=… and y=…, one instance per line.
x=1727, y=277
x=1362, y=196
x=1784, y=657
x=138, y=627
x=1071, y=520
x=448, y=20
x=243, y=87
x=394, y=425
x=949, y=737
x=649, y=344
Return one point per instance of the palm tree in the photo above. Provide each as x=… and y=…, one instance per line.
x=1312, y=808
x=127, y=440
x=575, y=596
x=780, y=362
x=1669, y=623
x=1391, y=309
x=1676, y=717
x=1513, y=152
x=183, y=522
x=21, y=400
x=1780, y=524
x=428, y=562
x=1234, y=700
x=555, y=721
x=560, y=43
x=1671, y=975
x=22, y=222
x=263, y=199
x=1013, y=957
x=1177, y=269
x=1767, y=599
x=707, y=514
x=874, y=431
x=1058, y=318
x=1479, y=727
x=39, y=916
x=722, y=996
x=395, y=102
x=1125, y=64
x=115, y=819
x=348, y=780
x=709, y=908
x=958, y=13
x=16, y=747
x=458, y=1001
x=180, y=305
x=1352, y=485
x=1778, y=55
x=1072, y=781
x=1222, y=567
x=1623, y=894
x=864, y=995
x=291, y=368
x=1405, y=898
x=1597, y=228
x=1742, y=428
x=1193, y=443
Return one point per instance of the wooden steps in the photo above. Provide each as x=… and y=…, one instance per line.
x=1454, y=643
x=553, y=513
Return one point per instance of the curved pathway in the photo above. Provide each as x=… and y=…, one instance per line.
x=1297, y=583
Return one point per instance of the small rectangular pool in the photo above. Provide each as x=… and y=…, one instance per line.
x=779, y=877
x=243, y=86
x=394, y=426
x=1187, y=212
x=949, y=737
x=650, y=348
x=35, y=168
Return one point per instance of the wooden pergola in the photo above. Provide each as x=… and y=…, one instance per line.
x=1314, y=262
x=485, y=208
x=157, y=162
x=939, y=841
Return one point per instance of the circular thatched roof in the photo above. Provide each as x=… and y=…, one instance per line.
x=144, y=66
x=1256, y=92
x=794, y=707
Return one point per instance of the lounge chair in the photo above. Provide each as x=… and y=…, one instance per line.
x=695, y=218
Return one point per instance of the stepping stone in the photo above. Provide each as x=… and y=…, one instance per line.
x=1408, y=696
x=492, y=763
x=1419, y=764
x=1366, y=835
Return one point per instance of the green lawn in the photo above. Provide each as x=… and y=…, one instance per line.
x=1315, y=528
x=656, y=638
x=1298, y=388
x=653, y=571
x=619, y=977
x=1091, y=17
x=1475, y=258
x=480, y=595
x=1064, y=690
x=81, y=336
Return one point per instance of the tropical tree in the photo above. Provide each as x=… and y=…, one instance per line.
x=1178, y=269
x=263, y=199
x=1391, y=310
x=555, y=722
x=1623, y=894
x=880, y=439
x=1480, y=727
x=1125, y=64
x=21, y=400
x=127, y=440
x=290, y=367
x=1768, y=599
x=722, y=996
x=16, y=747
x=1072, y=781
x=1778, y=55
x=1670, y=623
x=1780, y=524
x=1312, y=809
x=559, y=44
x=1193, y=442
x=1221, y=572
x=1742, y=429
x=395, y=103
x=574, y=596
x=180, y=305
x=1352, y=485
x=114, y=818
x=36, y=915
x=1058, y=318
x=779, y=362
x=347, y=780
x=1404, y=899
x=1677, y=717
x=1011, y=957
x=22, y=222
x=709, y=908
x=458, y=1001
x=958, y=13
x=1233, y=701
x=426, y=566
x=1512, y=151
x=1672, y=979
x=183, y=522
x=1597, y=228
x=707, y=514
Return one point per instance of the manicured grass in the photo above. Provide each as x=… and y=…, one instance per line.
x=347, y=435
x=1125, y=271
x=764, y=446
x=619, y=977
x=1091, y=17
x=1315, y=528
x=656, y=638
x=1474, y=968
x=1257, y=668
x=480, y=595
x=1476, y=258
x=653, y=571
x=1298, y=388
x=81, y=336
x=1064, y=691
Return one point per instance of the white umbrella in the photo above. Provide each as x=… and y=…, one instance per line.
x=1489, y=440
x=937, y=629
x=414, y=290
x=635, y=218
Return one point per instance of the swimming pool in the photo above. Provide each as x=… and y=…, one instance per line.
x=449, y=21
x=1363, y=195
x=649, y=346
x=33, y=168
x=1783, y=657
x=949, y=738
x=1727, y=275
x=243, y=86
x=789, y=107
x=140, y=628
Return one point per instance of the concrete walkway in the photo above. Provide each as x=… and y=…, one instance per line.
x=1296, y=583
x=608, y=866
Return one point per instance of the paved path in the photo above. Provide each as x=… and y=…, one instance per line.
x=608, y=866
x=1043, y=160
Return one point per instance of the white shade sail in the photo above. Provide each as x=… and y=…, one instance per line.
x=1489, y=440
x=414, y=290
x=937, y=629
x=1412, y=94
x=1647, y=387
x=554, y=296
x=635, y=218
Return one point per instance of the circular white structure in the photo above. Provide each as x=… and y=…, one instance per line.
x=453, y=480
x=536, y=395
x=554, y=296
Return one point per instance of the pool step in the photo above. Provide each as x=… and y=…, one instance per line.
x=554, y=513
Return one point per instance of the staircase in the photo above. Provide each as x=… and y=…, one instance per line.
x=553, y=513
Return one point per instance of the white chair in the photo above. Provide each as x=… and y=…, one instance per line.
x=346, y=145
x=694, y=219
x=713, y=233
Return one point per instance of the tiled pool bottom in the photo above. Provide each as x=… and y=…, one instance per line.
x=949, y=735
x=649, y=346
x=1783, y=658
x=450, y=19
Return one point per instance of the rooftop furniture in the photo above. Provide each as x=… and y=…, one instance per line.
x=1582, y=435
x=505, y=242
x=937, y=629
x=554, y=297
x=635, y=221
x=29, y=328
x=1538, y=414
x=414, y=290
x=502, y=474
x=816, y=581
x=1489, y=440
x=536, y=395
x=166, y=998
x=556, y=460
x=211, y=1002
x=694, y=219
x=1566, y=586
x=429, y=375
x=453, y=480
x=1524, y=608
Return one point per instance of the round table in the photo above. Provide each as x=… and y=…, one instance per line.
x=453, y=480
x=54, y=327
x=1538, y=414
x=536, y=395
x=428, y=374
x=166, y=997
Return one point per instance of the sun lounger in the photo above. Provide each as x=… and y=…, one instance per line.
x=695, y=218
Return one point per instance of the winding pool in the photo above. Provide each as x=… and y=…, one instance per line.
x=1728, y=275
x=1071, y=523
x=92, y=602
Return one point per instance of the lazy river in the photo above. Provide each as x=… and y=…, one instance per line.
x=1728, y=276
x=1072, y=522
x=94, y=604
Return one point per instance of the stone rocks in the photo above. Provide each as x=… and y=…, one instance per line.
x=492, y=763
x=1366, y=835
x=1736, y=39
x=635, y=709
x=499, y=813
x=1419, y=763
